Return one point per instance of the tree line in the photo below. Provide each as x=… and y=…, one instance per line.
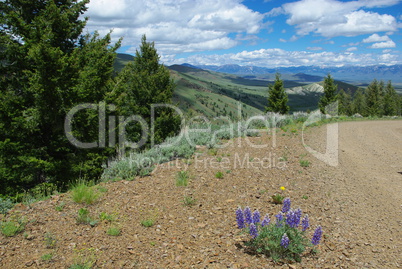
x=377, y=100
x=48, y=66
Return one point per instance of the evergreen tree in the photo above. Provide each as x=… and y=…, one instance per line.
x=390, y=101
x=277, y=97
x=143, y=82
x=330, y=96
x=345, y=103
x=47, y=68
x=374, y=100
x=359, y=103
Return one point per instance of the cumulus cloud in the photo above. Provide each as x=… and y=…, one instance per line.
x=380, y=42
x=383, y=45
x=175, y=26
x=376, y=38
x=276, y=57
x=331, y=18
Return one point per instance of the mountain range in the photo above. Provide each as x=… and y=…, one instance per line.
x=351, y=74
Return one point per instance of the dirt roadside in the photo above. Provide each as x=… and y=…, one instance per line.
x=369, y=192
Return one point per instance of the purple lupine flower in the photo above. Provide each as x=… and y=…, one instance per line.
x=305, y=223
x=265, y=221
x=286, y=205
x=247, y=215
x=317, y=236
x=279, y=218
x=253, y=230
x=256, y=216
x=285, y=241
x=290, y=218
x=298, y=215
x=240, y=218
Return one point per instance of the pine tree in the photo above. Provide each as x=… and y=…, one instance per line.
x=143, y=82
x=374, y=95
x=345, y=103
x=359, y=103
x=277, y=97
x=47, y=68
x=390, y=101
x=330, y=96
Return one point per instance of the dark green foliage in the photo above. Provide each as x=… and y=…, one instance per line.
x=374, y=94
x=359, y=103
x=330, y=96
x=277, y=97
x=345, y=103
x=47, y=68
x=390, y=100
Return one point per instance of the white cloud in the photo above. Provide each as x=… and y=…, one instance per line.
x=383, y=45
x=174, y=25
x=281, y=58
x=331, y=18
x=376, y=38
x=351, y=49
x=380, y=42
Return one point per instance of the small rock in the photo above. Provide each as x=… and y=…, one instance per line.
x=29, y=264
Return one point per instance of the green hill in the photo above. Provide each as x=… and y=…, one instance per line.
x=214, y=94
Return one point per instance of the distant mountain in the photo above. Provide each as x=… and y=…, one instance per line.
x=356, y=74
x=190, y=65
x=185, y=68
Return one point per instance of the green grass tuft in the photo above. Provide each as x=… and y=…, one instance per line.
x=84, y=192
x=182, y=178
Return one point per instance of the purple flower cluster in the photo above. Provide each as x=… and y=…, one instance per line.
x=245, y=218
x=286, y=205
x=256, y=216
x=240, y=218
x=285, y=241
x=247, y=215
x=317, y=236
x=279, y=219
x=253, y=230
x=305, y=223
x=265, y=221
x=293, y=218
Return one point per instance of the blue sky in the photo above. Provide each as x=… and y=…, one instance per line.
x=268, y=33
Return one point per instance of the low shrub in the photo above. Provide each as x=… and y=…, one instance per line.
x=5, y=205
x=12, y=228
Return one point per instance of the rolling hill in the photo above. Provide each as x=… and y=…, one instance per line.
x=214, y=94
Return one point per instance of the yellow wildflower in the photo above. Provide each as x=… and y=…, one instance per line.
x=283, y=188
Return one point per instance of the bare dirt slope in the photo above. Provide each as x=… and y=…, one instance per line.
x=358, y=204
